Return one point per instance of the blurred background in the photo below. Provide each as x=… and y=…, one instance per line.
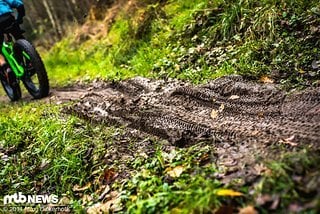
x=52, y=18
x=195, y=40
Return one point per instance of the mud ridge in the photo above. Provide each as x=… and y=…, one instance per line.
x=227, y=109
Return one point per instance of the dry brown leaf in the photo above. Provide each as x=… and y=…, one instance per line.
x=77, y=188
x=260, y=168
x=266, y=79
x=109, y=175
x=248, y=210
x=221, y=108
x=214, y=114
x=234, y=97
x=64, y=201
x=175, y=172
x=112, y=205
x=86, y=199
x=276, y=202
x=270, y=201
x=289, y=141
x=104, y=193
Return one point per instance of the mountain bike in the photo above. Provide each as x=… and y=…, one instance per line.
x=23, y=63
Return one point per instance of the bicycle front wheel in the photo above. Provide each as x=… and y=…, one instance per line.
x=35, y=78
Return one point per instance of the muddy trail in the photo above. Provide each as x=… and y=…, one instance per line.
x=227, y=110
x=243, y=121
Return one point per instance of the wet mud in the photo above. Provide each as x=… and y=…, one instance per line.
x=243, y=121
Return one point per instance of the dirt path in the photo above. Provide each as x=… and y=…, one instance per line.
x=245, y=121
x=226, y=110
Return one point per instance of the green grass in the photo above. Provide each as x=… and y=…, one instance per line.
x=179, y=39
x=46, y=150
x=121, y=54
x=153, y=189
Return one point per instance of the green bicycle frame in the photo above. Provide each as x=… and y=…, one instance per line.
x=7, y=51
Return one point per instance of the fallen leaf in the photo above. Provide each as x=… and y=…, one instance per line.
x=111, y=206
x=175, y=172
x=86, y=199
x=248, y=210
x=234, y=97
x=228, y=192
x=109, y=175
x=260, y=168
x=64, y=201
x=263, y=199
x=289, y=141
x=77, y=188
x=221, y=108
x=268, y=201
x=214, y=114
x=104, y=193
x=266, y=79
x=276, y=202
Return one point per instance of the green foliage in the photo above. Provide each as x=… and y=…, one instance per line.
x=197, y=41
x=283, y=180
x=133, y=46
x=154, y=190
x=46, y=152
x=251, y=38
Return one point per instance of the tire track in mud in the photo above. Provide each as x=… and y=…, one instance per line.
x=244, y=111
x=243, y=121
